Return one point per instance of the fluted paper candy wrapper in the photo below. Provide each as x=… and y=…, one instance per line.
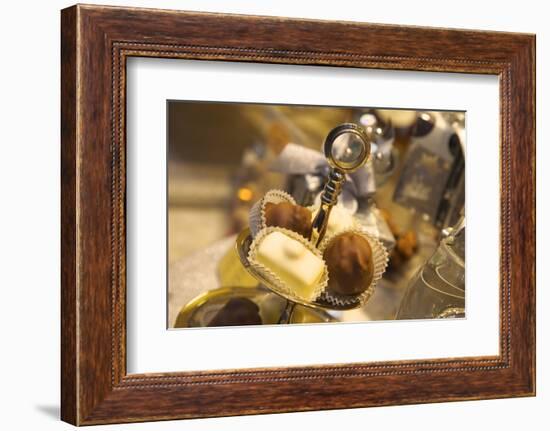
x=256, y=218
x=380, y=262
x=273, y=278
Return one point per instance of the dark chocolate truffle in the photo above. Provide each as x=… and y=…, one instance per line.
x=350, y=264
x=289, y=216
x=406, y=244
x=236, y=312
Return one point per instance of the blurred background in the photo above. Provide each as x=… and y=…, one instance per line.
x=222, y=157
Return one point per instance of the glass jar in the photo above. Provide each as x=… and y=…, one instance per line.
x=438, y=288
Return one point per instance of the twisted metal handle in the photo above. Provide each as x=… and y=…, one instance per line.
x=329, y=197
x=337, y=175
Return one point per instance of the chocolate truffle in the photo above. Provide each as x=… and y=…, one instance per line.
x=236, y=312
x=350, y=265
x=289, y=216
x=407, y=244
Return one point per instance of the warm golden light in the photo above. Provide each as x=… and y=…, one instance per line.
x=244, y=194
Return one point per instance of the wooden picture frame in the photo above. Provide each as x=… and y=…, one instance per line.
x=95, y=43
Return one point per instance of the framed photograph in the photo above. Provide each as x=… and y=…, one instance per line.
x=263, y=215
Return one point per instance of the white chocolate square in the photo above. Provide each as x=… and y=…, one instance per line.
x=293, y=263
